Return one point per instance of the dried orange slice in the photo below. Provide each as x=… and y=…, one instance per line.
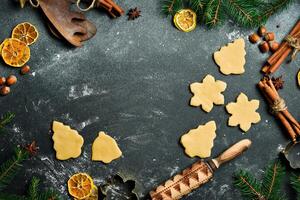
x=1, y=45
x=80, y=186
x=25, y=32
x=15, y=53
x=185, y=20
x=93, y=196
x=298, y=78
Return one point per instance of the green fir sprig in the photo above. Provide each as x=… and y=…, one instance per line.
x=246, y=13
x=5, y=120
x=267, y=189
x=9, y=169
x=295, y=181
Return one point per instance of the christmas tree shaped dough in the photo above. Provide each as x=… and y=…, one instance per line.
x=105, y=148
x=199, y=141
x=67, y=142
x=231, y=58
x=243, y=112
x=207, y=93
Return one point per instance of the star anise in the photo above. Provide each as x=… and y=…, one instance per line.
x=32, y=148
x=278, y=82
x=133, y=13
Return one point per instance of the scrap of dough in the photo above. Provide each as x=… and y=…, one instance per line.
x=207, y=93
x=243, y=112
x=105, y=148
x=67, y=142
x=231, y=58
x=199, y=141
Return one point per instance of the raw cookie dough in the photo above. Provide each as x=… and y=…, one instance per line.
x=105, y=148
x=67, y=142
x=243, y=112
x=231, y=58
x=199, y=141
x=207, y=93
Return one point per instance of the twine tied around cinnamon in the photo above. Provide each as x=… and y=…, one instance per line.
x=295, y=43
x=278, y=106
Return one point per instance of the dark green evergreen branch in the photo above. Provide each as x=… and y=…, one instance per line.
x=9, y=169
x=33, y=189
x=271, y=8
x=170, y=7
x=213, y=12
x=5, y=120
x=295, y=181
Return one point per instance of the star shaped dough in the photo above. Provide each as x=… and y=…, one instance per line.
x=67, y=142
x=243, y=112
x=231, y=58
x=207, y=93
x=199, y=141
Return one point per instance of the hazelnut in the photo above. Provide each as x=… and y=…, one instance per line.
x=5, y=90
x=264, y=47
x=270, y=36
x=273, y=46
x=25, y=69
x=262, y=31
x=2, y=80
x=254, y=38
x=11, y=80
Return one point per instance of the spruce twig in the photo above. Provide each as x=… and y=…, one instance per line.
x=249, y=186
x=295, y=181
x=271, y=8
x=9, y=169
x=5, y=120
x=33, y=190
x=213, y=13
x=170, y=7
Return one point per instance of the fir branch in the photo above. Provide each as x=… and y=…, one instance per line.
x=50, y=194
x=33, y=190
x=170, y=7
x=213, y=13
x=248, y=186
x=11, y=197
x=271, y=8
x=245, y=13
x=295, y=181
x=9, y=169
x=197, y=5
x=272, y=181
x=5, y=120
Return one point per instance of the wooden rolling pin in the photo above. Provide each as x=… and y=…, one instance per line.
x=196, y=175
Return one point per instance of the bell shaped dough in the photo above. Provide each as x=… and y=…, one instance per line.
x=67, y=142
x=199, y=141
x=105, y=148
x=231, y=58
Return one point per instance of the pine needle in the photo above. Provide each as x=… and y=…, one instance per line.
x=170, y=7
x=213, y=13
x=272, y=181
x=33, y=190
x=295, y=181
x=245, y=13
x=9, y=169
x=5, y=120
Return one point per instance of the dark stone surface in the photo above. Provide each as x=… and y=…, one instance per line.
x=131, y=80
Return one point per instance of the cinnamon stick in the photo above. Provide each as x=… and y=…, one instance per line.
x=275, y=60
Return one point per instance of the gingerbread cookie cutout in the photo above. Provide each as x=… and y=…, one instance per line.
x=199, y=141
x=207, y=93
x=231, y=58
x=67, y=142
x=243, y=112
x=105, y=149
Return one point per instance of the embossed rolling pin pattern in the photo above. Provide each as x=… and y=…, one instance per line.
x=196, y=175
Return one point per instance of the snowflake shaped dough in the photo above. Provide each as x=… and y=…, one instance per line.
x=199, y=141
x=207, y=93
x=243, y=112
x=231, y=58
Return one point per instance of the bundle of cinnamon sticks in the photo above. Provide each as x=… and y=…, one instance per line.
x=274, y=61
x=279, y=108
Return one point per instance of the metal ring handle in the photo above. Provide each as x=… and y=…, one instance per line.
x=85, y=9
